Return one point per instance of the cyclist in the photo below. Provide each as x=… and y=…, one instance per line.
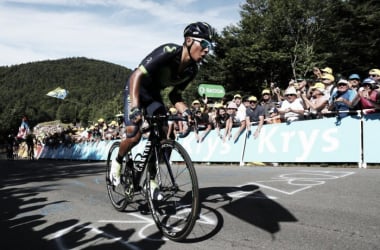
x=168, y=65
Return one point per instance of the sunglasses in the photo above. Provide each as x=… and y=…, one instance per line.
x=290, y=95
x=374, y=75
x=204, y=43
x=252, y=102
x=342, y=84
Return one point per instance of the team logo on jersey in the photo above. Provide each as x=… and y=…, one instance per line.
x=169, y=49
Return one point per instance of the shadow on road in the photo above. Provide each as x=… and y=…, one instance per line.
x=247, y=203
x=24, y=225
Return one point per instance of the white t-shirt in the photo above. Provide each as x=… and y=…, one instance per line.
x=241, y=113
x=296, y=105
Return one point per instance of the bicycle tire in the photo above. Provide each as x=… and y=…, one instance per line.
x=116, y=194
x=175, y=215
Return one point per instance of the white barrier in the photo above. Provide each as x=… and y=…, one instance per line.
x=321, y=140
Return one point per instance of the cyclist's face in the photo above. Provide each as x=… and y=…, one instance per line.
x=199, y=50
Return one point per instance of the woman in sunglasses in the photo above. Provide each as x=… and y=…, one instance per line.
x=168, y=65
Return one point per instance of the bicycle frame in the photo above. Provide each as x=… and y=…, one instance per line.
x=152, y=144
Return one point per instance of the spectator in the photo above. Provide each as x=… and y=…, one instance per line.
x=112, y=131
x=240, y=115
x=102, y=126
x=342, y=98
x=172, y=125
x=203, y=122
x=231, y=111
x=317, y=102
x=328, y=81
x=220, y=119
x=317, y=74
x=354, y=81
x=291, y=108
x=276, y=97
x=245, y=101
x=195, y=105
x=30, y=144
x=267, y=103
x=274, y=116
x=375, y=75
x=369, y=97
x=254, y=116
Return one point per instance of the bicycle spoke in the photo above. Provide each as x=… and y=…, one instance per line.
x=176, y=213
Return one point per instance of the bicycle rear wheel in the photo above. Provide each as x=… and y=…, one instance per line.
x=116, y=194
x=176, y=213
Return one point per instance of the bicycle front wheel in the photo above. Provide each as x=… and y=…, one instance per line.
x=177, y=210
x=116, y=194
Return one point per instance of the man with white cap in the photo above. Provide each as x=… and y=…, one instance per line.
x=291, y=108
x=240, y=115
x=342, y=98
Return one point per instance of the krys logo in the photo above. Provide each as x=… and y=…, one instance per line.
x=211, y=90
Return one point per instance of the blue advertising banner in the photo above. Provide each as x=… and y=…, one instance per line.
x=371, y=125
x=321, y=140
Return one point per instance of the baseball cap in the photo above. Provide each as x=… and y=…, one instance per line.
x=374, y=72
x=318, y=85
x=328, y=76
x=343, y=81
x=265, y=91
x=252, y=98
x=353, y=77
x=237, y=96
x=327, y=70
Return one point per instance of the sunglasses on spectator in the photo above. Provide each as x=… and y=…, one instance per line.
x=252, y=102
x=374, y=75
x=342, y=84
x=290, y=95
x=204, y=43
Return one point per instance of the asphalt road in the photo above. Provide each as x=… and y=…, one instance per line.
x=64, y=205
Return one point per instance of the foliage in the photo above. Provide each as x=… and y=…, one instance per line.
x=274, y=41
x=277, y=40
x=95, y=90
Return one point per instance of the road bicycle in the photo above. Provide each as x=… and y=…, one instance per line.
x=167, y=163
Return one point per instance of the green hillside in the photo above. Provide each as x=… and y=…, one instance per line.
x=95, y=90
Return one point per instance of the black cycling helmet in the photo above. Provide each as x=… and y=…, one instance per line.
x=200, y=30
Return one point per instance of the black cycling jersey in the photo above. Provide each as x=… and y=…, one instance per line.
x=160, y=69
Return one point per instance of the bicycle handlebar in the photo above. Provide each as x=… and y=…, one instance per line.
x=165, y=117
x=155, y=118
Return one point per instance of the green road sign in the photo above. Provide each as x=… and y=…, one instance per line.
x=211, y=90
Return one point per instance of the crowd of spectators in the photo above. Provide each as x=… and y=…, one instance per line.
x=57, y=134
x=323, y=96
